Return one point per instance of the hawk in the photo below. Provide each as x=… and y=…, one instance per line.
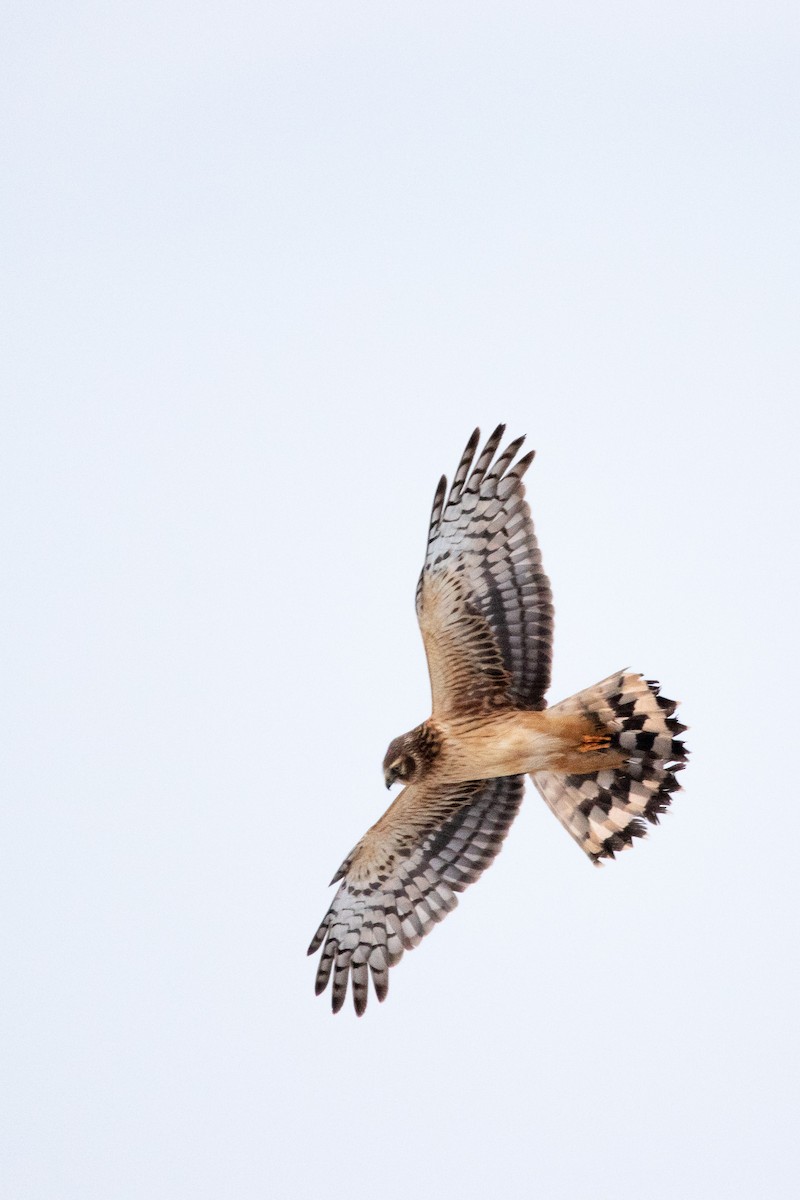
x=604, y=761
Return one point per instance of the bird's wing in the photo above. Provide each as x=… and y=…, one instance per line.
x=402, y=877
x=483, y=600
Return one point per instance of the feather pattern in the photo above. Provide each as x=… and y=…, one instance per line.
x=605, y=810
x=483, y=600
x=403, y=876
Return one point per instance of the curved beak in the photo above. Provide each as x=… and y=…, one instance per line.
x=389, y=777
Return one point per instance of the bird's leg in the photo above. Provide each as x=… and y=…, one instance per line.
x=593, y=742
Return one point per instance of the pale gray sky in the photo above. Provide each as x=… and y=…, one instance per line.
x=265, y=266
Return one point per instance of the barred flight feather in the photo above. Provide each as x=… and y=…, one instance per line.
x=403, y=876
x=483, y=600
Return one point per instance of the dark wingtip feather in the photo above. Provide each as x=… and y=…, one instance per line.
x=437, y=508
x=484, y=459
x=319, y=936
x=472, y=444
x=523, y=464
x=339, y=993
x=360, y=1000
x=463, y=467
x=507, y=457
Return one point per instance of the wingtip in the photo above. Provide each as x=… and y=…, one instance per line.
x=359, y=1003
x=523, y=464
x=342, y=871
x=318, y=938
x=464, y=466
x=338, y=997
x=474, y=439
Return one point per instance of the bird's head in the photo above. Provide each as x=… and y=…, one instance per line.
x=401, y=760
x=411, y=755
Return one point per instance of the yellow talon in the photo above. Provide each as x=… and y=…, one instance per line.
x=594, y=742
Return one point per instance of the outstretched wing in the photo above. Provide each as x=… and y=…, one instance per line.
x=483, y=600
x=402, y=877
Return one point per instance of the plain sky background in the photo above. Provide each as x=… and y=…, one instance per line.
x=263, y=268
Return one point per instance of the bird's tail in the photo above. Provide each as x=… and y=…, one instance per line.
x=603, y=810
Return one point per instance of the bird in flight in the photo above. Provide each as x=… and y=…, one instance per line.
x=604, y=761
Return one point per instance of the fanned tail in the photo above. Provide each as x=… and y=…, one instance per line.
x=604, y=811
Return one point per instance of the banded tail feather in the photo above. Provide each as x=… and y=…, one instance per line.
x=604, y=811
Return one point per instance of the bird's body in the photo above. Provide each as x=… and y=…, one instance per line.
x=604, y=760
x=514, y=742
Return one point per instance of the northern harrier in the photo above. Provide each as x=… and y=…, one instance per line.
x=602, y=760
